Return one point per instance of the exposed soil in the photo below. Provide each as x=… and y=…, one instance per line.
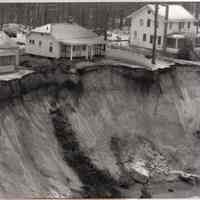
x=97, y=183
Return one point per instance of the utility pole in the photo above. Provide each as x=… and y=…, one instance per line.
x=155, y=34
x=165, y=28
x=197, y=16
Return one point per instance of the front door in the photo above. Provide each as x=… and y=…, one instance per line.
x=78, y=51
x=63, y=50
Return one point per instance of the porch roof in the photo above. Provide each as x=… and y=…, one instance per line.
x=7, y=52
x=176, y=35
x=83, y=41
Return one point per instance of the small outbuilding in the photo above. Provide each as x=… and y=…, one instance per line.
x=66, y=40
x=9, y=54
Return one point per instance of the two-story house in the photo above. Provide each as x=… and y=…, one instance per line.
x=179, y=25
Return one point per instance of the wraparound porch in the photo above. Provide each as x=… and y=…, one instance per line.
x=87, y=48
x=87, y=51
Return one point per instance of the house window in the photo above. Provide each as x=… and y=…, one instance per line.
x=144, y=37
x=181, y=25
x=148, y=22
x=159, y=40
x=50, y=48
x=189, y=25
x=40, y=43
x=7, y=60
x=135, y=34
x=84, y=47
x=151, y=39
x=141, y=22
x=78, y=48
x=32, y=41
x=149, y=11
x=170, y=25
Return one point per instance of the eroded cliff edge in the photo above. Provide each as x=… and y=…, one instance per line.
x=117, y=118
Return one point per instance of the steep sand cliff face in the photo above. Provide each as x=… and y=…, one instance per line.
x=155, y=120
x=31, y=163
x=118, y=117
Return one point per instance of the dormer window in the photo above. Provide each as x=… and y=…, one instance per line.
x=149, y=11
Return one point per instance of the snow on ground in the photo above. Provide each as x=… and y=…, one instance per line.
x=15, y=75
x=135, y=58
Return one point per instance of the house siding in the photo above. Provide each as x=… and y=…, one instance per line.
x=144, y=29
x=43, y=49
x=175, y=27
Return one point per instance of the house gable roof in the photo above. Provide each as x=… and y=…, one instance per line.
x=64, y=32
x=176, y=12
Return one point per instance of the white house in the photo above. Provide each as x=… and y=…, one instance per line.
x=64, y=40
x=9, y=54
x=180, y=24
x=118, y=37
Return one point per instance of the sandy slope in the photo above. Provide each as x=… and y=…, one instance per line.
x=155, y=121
x=31, y=163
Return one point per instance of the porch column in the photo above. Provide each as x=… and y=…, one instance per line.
x=71, y=52
x=92, y=51
x=17, y=57
x=176, y=43
x=86, y=55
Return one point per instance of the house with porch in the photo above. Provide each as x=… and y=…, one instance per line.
x=64, y=40
x=180, y=25
x=9, y=54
